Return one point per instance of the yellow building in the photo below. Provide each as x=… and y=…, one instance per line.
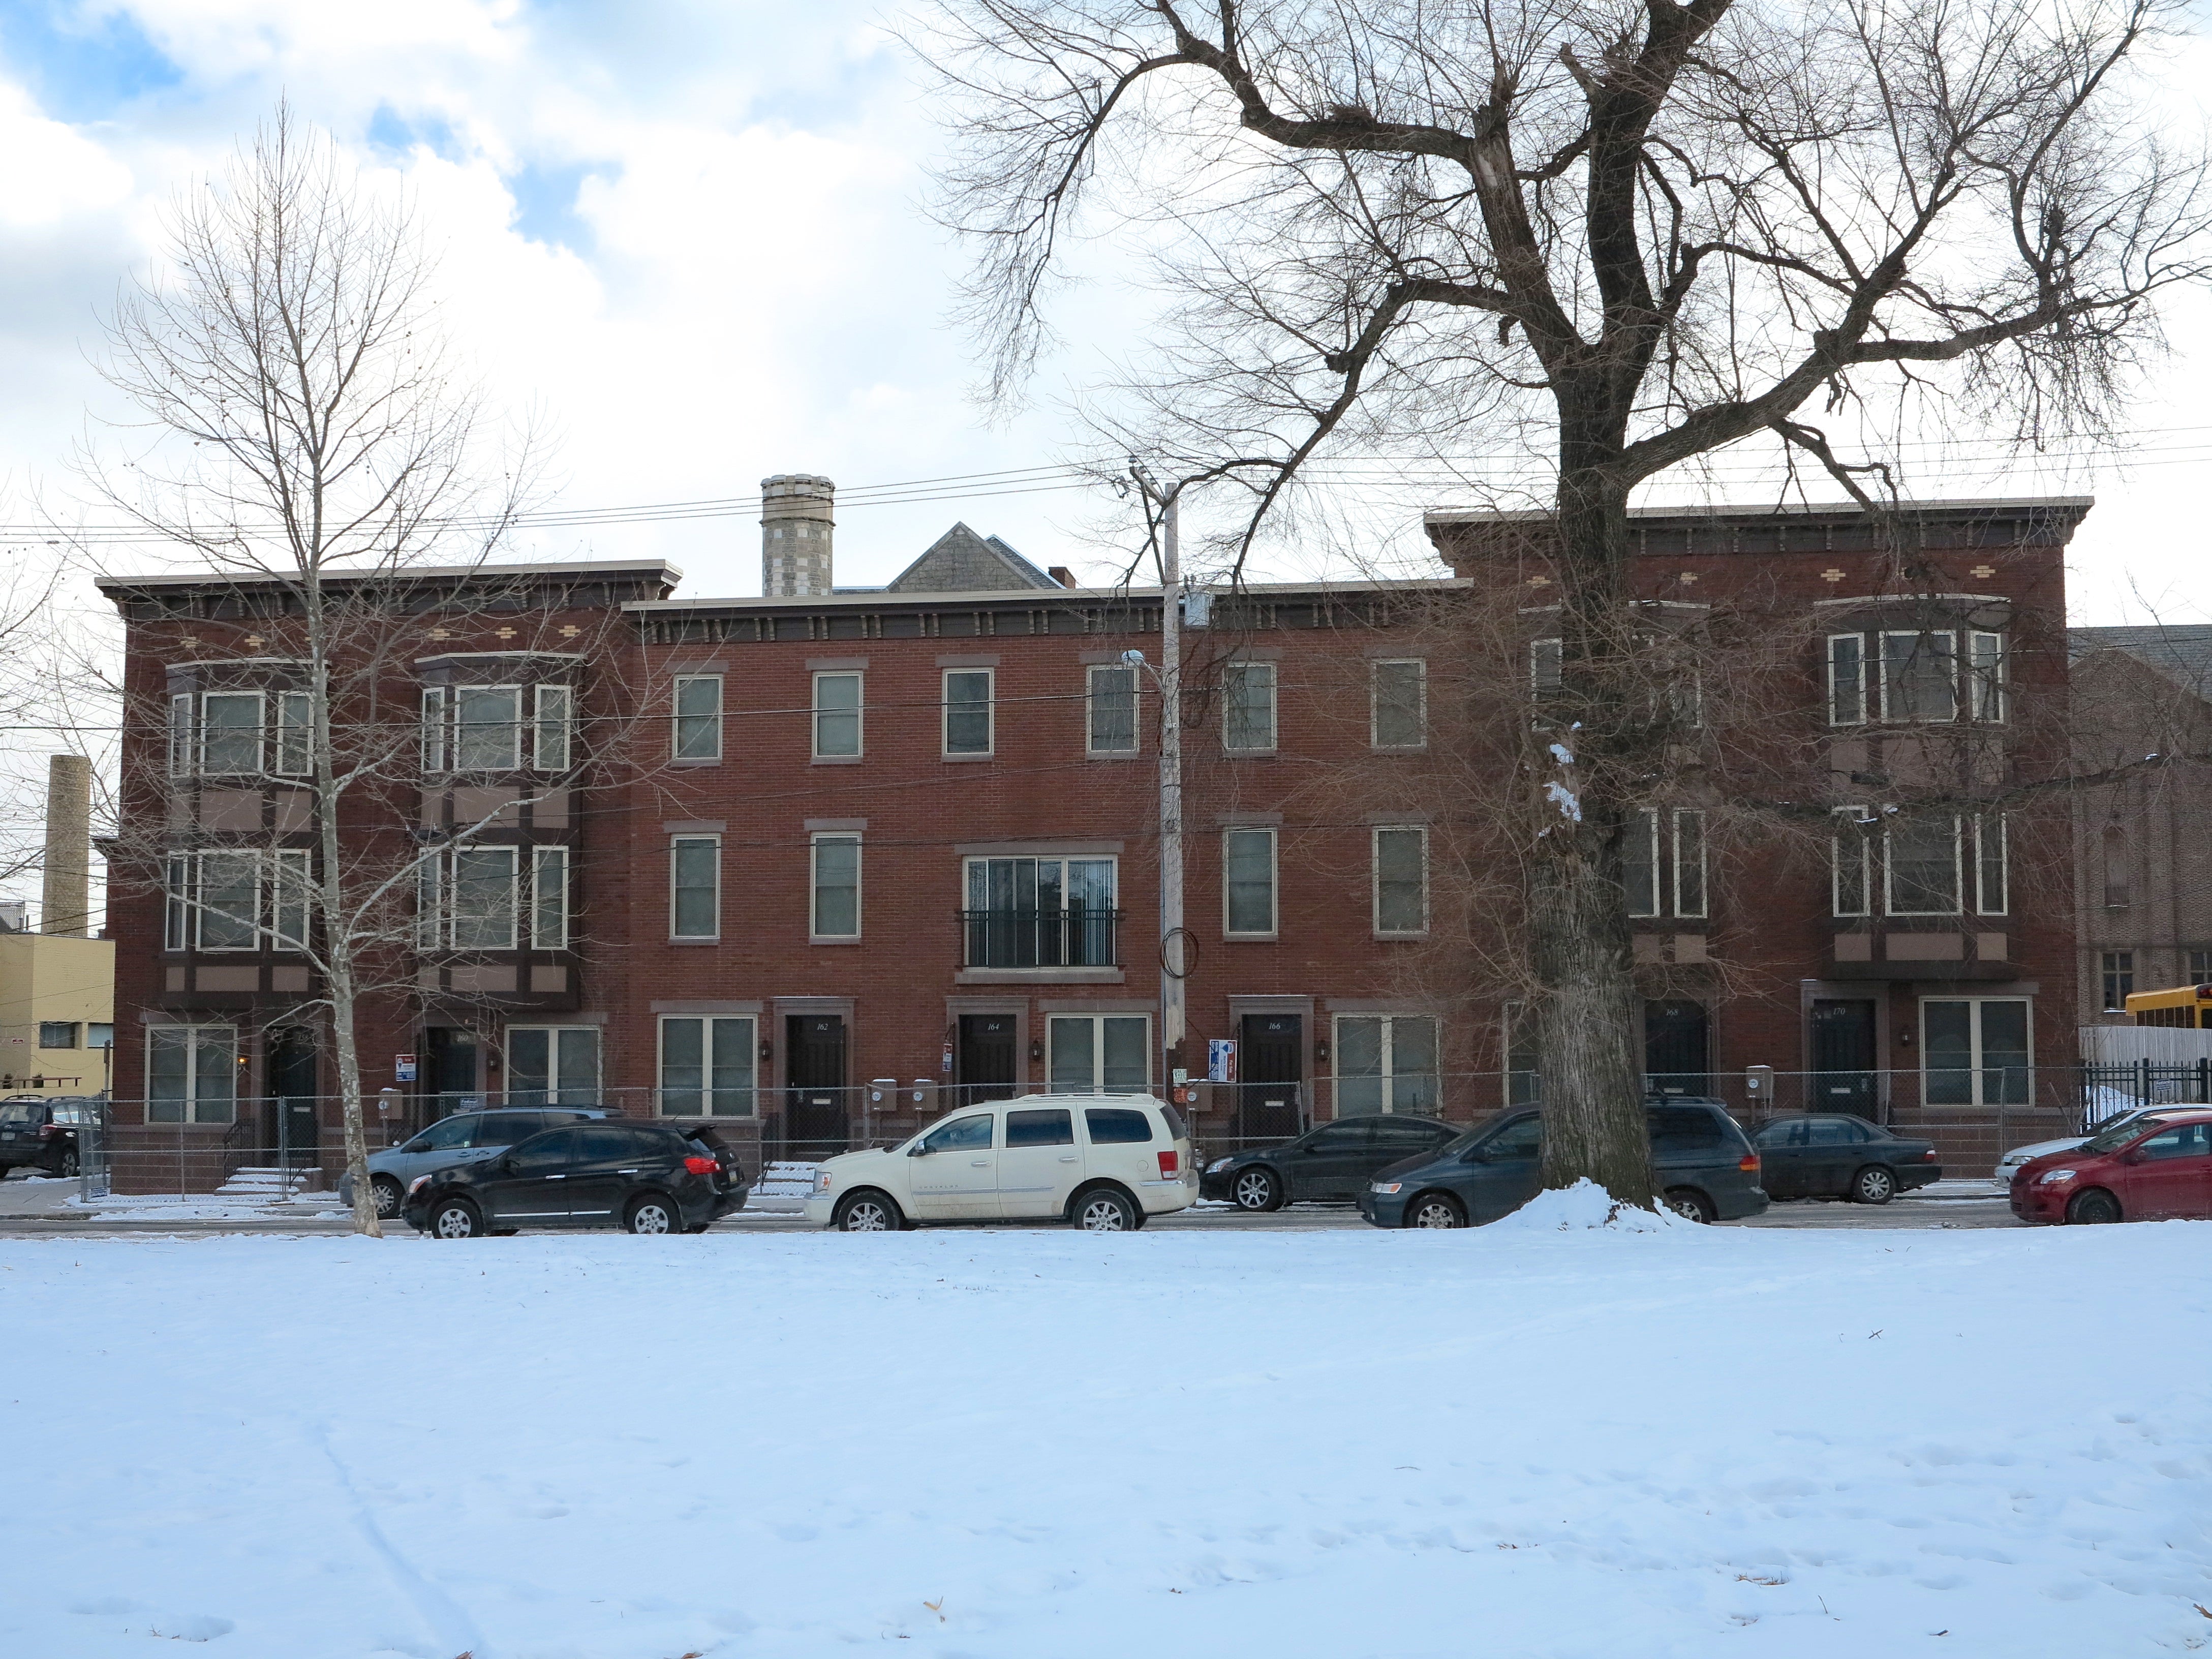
x=56, y=1013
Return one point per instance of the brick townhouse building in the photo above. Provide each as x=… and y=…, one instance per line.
x=909, y=834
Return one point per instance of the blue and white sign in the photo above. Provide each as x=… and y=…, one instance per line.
x=1221, y=1060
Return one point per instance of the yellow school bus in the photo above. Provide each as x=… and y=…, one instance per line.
x=2186, y=1006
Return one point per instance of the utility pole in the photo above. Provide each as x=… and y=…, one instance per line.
x=1174, y=962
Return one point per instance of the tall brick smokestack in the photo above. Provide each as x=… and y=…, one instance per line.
x=798, y=524
x=68, y=896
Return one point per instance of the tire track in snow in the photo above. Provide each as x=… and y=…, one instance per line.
x=455, y=1630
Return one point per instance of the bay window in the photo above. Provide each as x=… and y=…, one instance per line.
x=549, y=898
x=295, y=734
x=480, y=898
x=1920, y=856
x=230, y=734
x=1850, y=854
x=1663, y=863
x=1919, y=676
x=555, y=718
x=487, y=728
x=227, y=906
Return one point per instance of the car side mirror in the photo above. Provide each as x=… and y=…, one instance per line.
x=1477, y=1155
x=922, y=1149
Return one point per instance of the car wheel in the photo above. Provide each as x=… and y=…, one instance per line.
x=1436, y=1210
x=69, y=1163
x=387, y=1191
x=1256, y=1189
x=1105, y=1210
x=456, y=1218
x=1873, y=1185
x=2092, y=1208
x=1692, y=1204
x=654, y=1215
x=866, y=1213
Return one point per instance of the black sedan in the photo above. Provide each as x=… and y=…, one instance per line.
x=643, y=1177
x=1332, y=1162
x=1843, y=1157
x=1707, y=1171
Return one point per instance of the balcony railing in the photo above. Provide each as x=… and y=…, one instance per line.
x=1039, y=939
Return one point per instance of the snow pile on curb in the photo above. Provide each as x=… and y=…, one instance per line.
x=1582, y=1206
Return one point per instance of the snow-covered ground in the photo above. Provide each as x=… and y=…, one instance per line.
x=1035, y=1445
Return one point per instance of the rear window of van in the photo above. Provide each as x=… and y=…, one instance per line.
x=1111, y=1127
x=1176, y=1129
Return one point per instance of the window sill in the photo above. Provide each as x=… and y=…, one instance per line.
x=837, y=760
x=1250, y=754
x=1398, y=748
x=1252, y=938
x=1123, y=755
x=691, y=940
x=833, y=938
x=1387, y=937
x=989, y=756
x=1039, y=976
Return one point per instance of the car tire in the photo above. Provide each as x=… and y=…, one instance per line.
x=1257, y=1189
x=455, y=1217
x=2092, y=1208
x=866, y=1212
x=1692, y=1204
x=1103, y=1210
x=1874, y=1184
x=1436, y=1210
x=654, y=1216
x=388, y=1194
x=68, y=1167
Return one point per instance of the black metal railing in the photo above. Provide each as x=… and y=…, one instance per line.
x=1039, y=939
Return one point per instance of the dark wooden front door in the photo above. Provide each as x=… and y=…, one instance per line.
x=1675, y=1047
x=814, y=1096
x=1844, y=1060
x=1271, y=1066
x=295, y=1130
x=449, y=1073
x=989, y=1068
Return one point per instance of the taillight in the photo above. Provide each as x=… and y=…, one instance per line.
x=700, y=1165
x=1748, y=1163
x=1928, y=1156
x=1170, y=1163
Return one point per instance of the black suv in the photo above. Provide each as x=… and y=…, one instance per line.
x=1706, y=1169
x=37, y=1133
x=1333, y=1161
x=643, y=1177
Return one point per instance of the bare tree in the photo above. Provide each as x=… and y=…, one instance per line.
x=309, y=436
x=1611, y=237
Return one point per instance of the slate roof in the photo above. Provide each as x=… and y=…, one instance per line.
x=961, y=562
x=2182, y=654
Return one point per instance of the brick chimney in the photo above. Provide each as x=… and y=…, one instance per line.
x=798, y=524
x=68, y=894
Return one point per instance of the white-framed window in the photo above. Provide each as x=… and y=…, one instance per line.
x=1992, y=865
x=1988, y=671
x=1919, y=676
x=1247, y=708
x=1689, y=863
x=969, y=697
x=1398, y=703
x=1400, y=861
x=434, y=729
x=1248, y=884
x=1040, y=913
x=289, y=898
x=487, y=728
x=1640, y=861
x=227, y=911
x=553, y=1066
x=295, y=734
x=1110, y=710
x=694, y=887
x=1386, y=1063
x=698, y=732
x=191, y=1073
x=176, y=902
x=230, y=734
x=834, y=907
x=837, y=714
x=549, y=898
x=1851, y=853
x=1920, y=860
x=1976, y=1051
x=555, y=725
x=1099, y=1053
x=1547, y=669
x=1663, y=863
x=430, y=903
x=708, y=1066
x=480, y=898
x=181, y=734
x=1847, y=688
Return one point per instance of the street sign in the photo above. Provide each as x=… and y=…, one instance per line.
x=403, y=1068
x=1221, y=1060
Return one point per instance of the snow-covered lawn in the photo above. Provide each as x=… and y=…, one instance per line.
x=1034, y=1445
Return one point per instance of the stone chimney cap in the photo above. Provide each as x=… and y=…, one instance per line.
x=798, y=483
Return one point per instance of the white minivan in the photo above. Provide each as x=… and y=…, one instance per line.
x=1103, y=1162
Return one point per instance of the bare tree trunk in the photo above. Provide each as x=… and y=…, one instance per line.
x=357, y=1134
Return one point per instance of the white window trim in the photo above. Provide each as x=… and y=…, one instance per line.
x=990, y=714
x=1865, y=702
x=1988, y=697
x=676, y=843
x=1889, y=883
x=1645, y=823
x=1838, y=840
x=1985, y=864
x=1098, y=1047
x=554, y=1082
x=1916, y=633
x=814, y=934
x=191, y=1101
x=286, y=701
x=859, y=678
x=257, y=928
x=260, y=768
x=176, y=902
x=1375, y=835
x=1136, y=710
x=184, y=738
x=1420, y=667
x=434, y=743
x=1274, y=707
x=706, y=1023
x=677, y=717
x=1274, y=882
x=1389, y=1074
x=301, y=863
x=449, y=885
x=548, y=933
x=1975, y=1067
x=563, y=723
x=1704, y=888
x=514, y=728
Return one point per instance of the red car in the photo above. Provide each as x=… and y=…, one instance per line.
x=2148, y=1170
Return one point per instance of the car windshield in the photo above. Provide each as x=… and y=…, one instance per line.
x=2113, y=1136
